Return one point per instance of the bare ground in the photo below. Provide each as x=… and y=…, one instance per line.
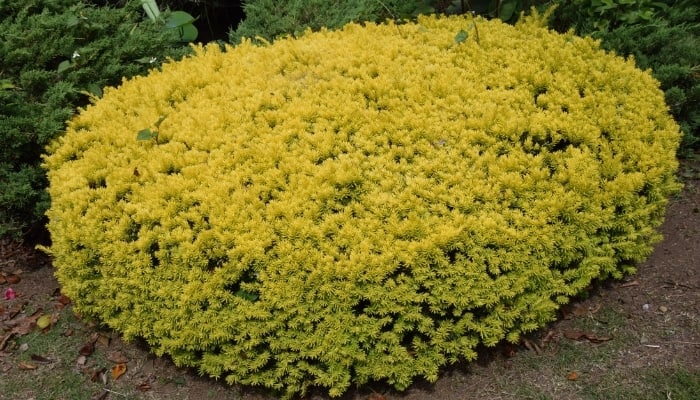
x=637, y=338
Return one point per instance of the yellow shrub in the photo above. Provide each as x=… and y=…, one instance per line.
x=364, y=204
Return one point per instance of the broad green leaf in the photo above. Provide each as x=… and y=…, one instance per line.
x=146, y=134
x=64, y=66
x=461, y=36
x=507, y=9
x=188, y=33
x=177, y=19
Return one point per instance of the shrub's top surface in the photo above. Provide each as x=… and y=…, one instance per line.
x=362, y=204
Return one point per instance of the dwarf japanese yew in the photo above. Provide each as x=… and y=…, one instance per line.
x=364, y=204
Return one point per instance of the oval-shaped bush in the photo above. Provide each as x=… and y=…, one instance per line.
x=364, y=204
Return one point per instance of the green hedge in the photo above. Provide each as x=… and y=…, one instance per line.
x=55, y=54
x=663, y=36
x=269, y=19
x=356, y=205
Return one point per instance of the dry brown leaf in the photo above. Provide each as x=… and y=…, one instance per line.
x=63, y=299
x=118, y=370
x=572, y=376
x=40, y=359
x=4, y=340
x=7, y=314
x=26, y=366
x=87, y=349
x=81, y=360
x=117, y=357
x=144, y=387
x=376, y=396
x=102, y=339
x=12, y=279
x=25, y=325
x=591, y=337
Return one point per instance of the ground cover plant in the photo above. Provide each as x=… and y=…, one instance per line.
x=365, y=204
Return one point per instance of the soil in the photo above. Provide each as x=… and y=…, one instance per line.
x=648, y=320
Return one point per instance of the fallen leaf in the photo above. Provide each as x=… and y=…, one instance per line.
x=12, y=279
x=572, y=376
x=4, y=340
x=25, y=325
x=101, y=339
x=578, y=335
x=68, y=332
x=118, y=370
x=2, y=279
x=9, y=313
x=376, y=396
x=87, y=349
x=63, y=299
x=81, y=360
x=144, y=387
x=629, y=284
x=508, y=350
x=44, y=321
x=117, y=357
x=26, y=366
x=40, y=359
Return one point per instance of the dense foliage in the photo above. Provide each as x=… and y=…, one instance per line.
x=663, y=36
x=55, y=54
x=364, y=204
x=268, y=19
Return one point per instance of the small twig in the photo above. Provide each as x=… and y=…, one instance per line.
x=679, y=342
x=629, y=284
x=112, y=391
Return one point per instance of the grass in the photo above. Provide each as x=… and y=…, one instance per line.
x=542, y=376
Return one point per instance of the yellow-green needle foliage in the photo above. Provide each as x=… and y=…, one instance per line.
x=364, y=204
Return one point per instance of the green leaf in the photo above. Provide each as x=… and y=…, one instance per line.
x=94, y=89
x=246, y=295
x=188, y=33
x=461, y=36
x=65, y=65
x=146, y=134
x=178, y=19
x=507, y=9
x=151, y=9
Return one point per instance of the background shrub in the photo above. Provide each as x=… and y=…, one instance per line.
x=666, y=40
x=356, y=205
x=271, y=18
x=55, y=54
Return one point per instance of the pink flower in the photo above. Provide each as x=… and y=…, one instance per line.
x=10, y=294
